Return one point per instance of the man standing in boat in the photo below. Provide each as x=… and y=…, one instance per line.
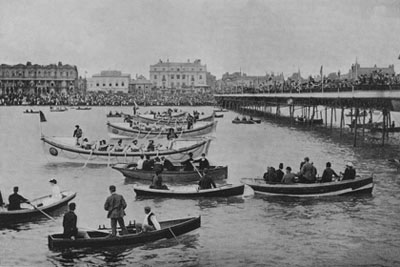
x=350, y=172
x=206, y=182
x=203, y=162
x=77, y=134
x=116, y=205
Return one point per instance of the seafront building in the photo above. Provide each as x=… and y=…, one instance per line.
x=39, y=79
x=179, y=76
x=109, y=81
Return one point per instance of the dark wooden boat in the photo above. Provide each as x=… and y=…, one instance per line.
x=97, y=239
x=220, y=110
x=31, y=111
x=216, y=172
x=221, y=191
x=242, y=121
x=358, y=185
x=367, y=125
x=58, y=109
x=309, y=121
x=29, y=213
x=218, y=115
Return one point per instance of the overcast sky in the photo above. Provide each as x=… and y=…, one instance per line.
x=256, y=36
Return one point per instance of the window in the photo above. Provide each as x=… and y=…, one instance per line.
x=200, y=77
x=110, y=84
x=104, y=84
x=200, y=69
x=183, y=76
x=172, y=84
x=178, y=76
x=122, y=84
x=155, y=77
x=177, y=69
x=192, y=77
x=116, y=84
x=183, y=84
x=97, y=84
x=172, y=76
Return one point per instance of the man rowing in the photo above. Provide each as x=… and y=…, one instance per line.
x=15, y=200
x=206, y=182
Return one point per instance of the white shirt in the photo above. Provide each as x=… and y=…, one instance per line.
x=153, y=220
x=140, y=164
x=55, y=192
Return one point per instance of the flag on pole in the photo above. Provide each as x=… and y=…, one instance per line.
x=320, y=71
x=42, y=117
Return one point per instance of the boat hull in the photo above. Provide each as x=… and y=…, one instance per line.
x=242, y=122
x=28, y=213
x=171, y=121
x=162, y=132
x=64, y=150
x=361, y=185
x=169, y=229
x=217, y=173
x=222, y=191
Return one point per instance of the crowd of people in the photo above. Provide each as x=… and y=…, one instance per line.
x=308, y=174
x=148, y=98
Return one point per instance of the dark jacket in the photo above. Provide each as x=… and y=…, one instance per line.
x=148, y=165
x=206, y=182
x=203, y=163
x=279, y=175
x=188, y=165
x=327, y=175
x=349, y=174
x=69, y=224
x=14, y=201
x=115, y=205
x=168, y=165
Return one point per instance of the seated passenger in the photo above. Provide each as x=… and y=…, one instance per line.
x=103, y=145
x=140, y=162
x=206, y=182
x=148, y=164
x=15, y=200
x=55, y=190
x=150, y=146
x=168, y=164
x=203, y=162
x=86, y=145
x=158, y=166
x=150, y=222
x=157, y=181
x=69, y=224
x=328, y=174
x=270, y=175
x=289, y=177
x=134, y=147
x=350, y=172
x=119, y=147
x=188, y=163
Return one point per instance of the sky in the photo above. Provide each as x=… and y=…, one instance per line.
x=252, y=36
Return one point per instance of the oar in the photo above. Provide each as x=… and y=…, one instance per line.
x=91, y=152
x=169, y=228
x=44, y=213
x=197, y=170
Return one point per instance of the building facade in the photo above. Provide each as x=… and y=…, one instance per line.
x=179, y=75
x=38, y=79
x=355, y=70
x=109, y=81
x=140, y=84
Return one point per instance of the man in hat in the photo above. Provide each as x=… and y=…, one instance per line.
x=203, y=162
x=349, y=172
x=115, y=205
x=15, y=200
x=206, y=182
x=77, y=134
x=188, y=163
x=69, y=224
x=134, y=147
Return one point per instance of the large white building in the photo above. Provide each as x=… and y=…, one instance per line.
x=109, y=81
x=178, y=75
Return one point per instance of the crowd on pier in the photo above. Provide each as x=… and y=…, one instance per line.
x=152, y=98
x=373, y=81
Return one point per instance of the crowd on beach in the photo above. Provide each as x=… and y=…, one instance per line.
x=151, y=98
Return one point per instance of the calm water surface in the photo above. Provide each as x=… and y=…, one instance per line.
x=237, y=231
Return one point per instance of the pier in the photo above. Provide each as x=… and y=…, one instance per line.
x=360, y=100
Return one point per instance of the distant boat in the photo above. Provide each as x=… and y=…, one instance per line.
x=83, y=108
x=218, y=115
x=114, y=115
x=58, y=109
x=31, y=111
x=102, y=238
x=309, y=121
x=167, y=121
x=242, y=121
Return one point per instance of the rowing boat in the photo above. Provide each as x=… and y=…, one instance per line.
x=242, y=121
x=168, y=121
x=169, y=229
x=309, y=121
x=221, y=191
x=29, y=213
x=358, y=185
x=159, y=131
x=218, y=115
x=215, y=172
x=63, y=149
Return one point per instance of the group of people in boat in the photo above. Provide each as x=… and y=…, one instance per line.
x=102, y=145
x=244, y=118
x=115, y=206
x=308, y=174
x=15, y=199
